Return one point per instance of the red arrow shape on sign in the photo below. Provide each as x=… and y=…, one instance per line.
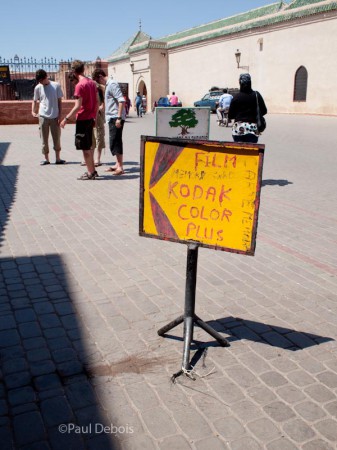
x=165, y=157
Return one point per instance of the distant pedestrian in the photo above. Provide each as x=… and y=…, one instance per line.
x=127, y=105
x=243, y=109
x=114, y=116
x=144, y=104
x=224, y=103
x=174, y=100
x=138, y=104
x=47, y=107
x=86, y=109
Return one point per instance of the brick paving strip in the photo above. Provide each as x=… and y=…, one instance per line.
x=82, y=297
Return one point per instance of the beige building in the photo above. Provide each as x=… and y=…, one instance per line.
x=290, y=50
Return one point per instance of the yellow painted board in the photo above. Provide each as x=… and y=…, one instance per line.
x=201, y=191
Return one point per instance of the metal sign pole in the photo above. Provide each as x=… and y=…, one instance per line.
x=189, y=317
x=191, y=282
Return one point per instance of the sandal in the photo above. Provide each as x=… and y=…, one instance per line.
x=97, y=164
x=119, y=172
x=110, y=169
x=60, y=161
x=87, y=176
x=44, y=163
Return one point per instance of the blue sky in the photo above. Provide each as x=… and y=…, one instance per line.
x=84, y=30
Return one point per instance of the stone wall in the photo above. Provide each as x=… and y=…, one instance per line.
x=20, y=112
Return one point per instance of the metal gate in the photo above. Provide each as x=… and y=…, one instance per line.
x=18, y=80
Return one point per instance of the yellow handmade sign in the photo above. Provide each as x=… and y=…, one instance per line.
x=206, y=192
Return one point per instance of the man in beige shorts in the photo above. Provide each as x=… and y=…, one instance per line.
x=99, y=130
x=47, y=107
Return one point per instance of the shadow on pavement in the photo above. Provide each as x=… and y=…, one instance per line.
x=131, y=163
x=276, y=182
x=238, y=328
x=3, y=150
x=273, y=335
x=46, y=398
x=8, y=180
x=46, y=395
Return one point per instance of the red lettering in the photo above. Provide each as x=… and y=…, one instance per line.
x=219, y=235
x=202, y=213
x=197, y=233
x=247, y=203
x=214, y=214
x=250, y=175
x=200, y=160
x=214, y=160
x=249, y=214
x=223, y=194
x=232, y=159
x=211, y=191
x=200, y=175
x=190, y=227
x=226, y=214
x=201, y=191
x=194, y=211
x=171, y=187
x=211, y=234
x=187, y=190
x=179, y=212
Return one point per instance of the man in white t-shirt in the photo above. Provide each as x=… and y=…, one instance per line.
x=224, y=102
x=47, y=107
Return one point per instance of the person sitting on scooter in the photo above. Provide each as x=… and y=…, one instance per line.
x=224, y=102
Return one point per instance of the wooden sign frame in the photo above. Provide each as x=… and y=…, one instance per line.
x=238, y=164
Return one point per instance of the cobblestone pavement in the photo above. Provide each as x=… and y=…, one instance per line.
x=82, y=297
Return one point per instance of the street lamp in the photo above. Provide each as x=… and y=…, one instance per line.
x=238, y=58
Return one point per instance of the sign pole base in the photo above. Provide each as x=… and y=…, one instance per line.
x=190, y=318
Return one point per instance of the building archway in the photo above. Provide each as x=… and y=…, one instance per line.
x=142, y=88
x=143, y=91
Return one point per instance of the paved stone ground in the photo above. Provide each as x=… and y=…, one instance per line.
x=82, y=297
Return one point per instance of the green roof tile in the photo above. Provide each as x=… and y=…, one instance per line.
x=141, y=37
x=239, y=18
x=123, y=51
x=299, y=3
x=282, y=16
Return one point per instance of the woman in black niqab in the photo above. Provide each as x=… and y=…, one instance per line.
x=243, y=109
